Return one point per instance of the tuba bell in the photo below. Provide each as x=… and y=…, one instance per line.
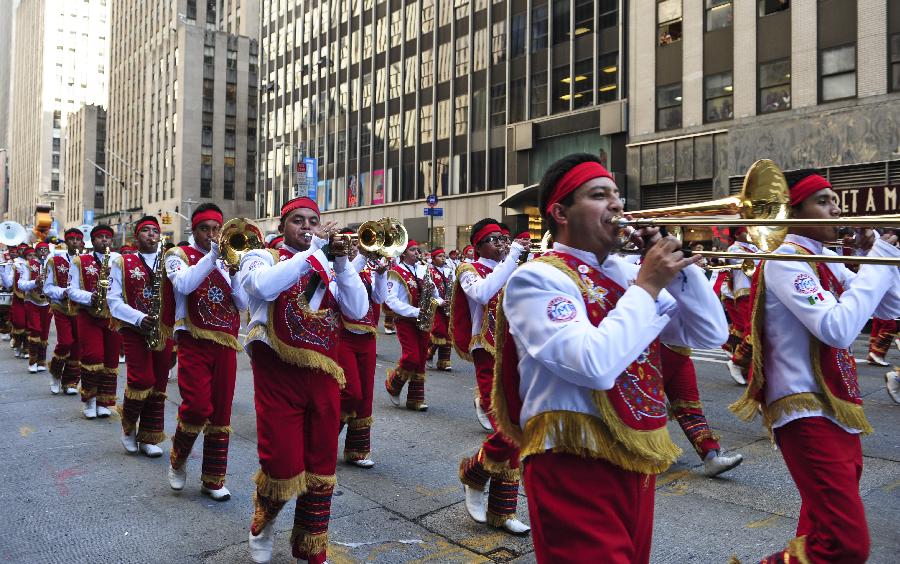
x=385, y=237
x=238, y=237
x=12, y=233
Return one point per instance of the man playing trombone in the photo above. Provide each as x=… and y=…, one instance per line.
x=296, y=301
x=208, y=300
x=804, y=381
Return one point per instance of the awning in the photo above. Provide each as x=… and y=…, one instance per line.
x=524, y=198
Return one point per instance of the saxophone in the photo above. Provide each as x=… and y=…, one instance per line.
x=427, y=303
x=102, y=286
x=154, y=337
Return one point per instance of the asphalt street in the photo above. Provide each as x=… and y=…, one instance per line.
x=71, y=493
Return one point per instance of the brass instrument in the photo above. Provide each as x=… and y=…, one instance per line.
x=238, y=237
x=427, y=304
x=153, y=338
x=763, y=207
x=102, y=287
x=385, y=237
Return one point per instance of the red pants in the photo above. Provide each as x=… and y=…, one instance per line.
x=440, y=339
x=496, y=447
x=206, y=378
x=739, y=311
x=145, y=390
x=17, y=315
x=411, y=368
x=587, y=510
x=297, y=424
x=484, y=377
x=38, y=319
x=680, y=383
x=66, y=363
x=884, y=331
x=99, y=359
x=826, y=464
x=356, y=354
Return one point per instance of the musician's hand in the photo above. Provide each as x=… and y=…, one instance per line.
x=662, y=263
x=525, y=242
x=890, y=238
x=232, y=270
x=865, y=238
x=147, y=323
x=95, y=300
x=324, y=229
x=381, y=266
x=339, y=246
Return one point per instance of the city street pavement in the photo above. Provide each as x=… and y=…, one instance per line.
x=71, y=494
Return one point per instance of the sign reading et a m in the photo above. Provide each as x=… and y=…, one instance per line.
x=871, y=200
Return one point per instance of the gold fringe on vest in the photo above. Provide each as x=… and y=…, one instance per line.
x=220, y=337
x=499, y=407
x=360, y=327
x=303, y=358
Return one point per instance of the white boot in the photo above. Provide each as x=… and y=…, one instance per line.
x=103, y=411
x=150, y=451
x=476, y=505
x=221, y=494
x=364, y=463
x=177, y=478
x=121, y=359
x=90, y=408
x=897, y=342
x=129, y=441
x=874, y=359
x=41, y=368
x=261, y=545
x=71, y=391
x=892, y=379
x=735, y=371
x=482, y=416
x=716, y=463
x=54, y=385
x=515, y=527
x=394, y=399
x=5, y=337
x=33, y=368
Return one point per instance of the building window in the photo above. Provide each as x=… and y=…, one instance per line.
x=767, y=7
x=562, y=89
x=668, y=107
x=517, y=100
x=425, y=123
x=718, y=14
x=462, y=56
x=584, y=14
x=461, y=114
x=498, y=105
x=583, y=87
x=211, y=11
x=498, y=42
x=895, y=62
x=538, y=93
x=837, y=69
x=668, y=18
x=718, y=95
x=607, y=77
x=517, y=35
x=560, y=21
x=206, y=181
x=538, y=28
x=775, y=86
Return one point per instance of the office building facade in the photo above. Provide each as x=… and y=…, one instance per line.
x=83, y=164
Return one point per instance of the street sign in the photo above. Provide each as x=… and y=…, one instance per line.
x=434, y=212
x=88, y=217
x=431, y=200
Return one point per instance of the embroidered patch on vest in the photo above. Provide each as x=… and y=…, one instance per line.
x=561, y=309
x=805, y=284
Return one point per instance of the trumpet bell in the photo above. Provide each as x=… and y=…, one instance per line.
x=12, y=233
x=395, y=238
x=238, y=237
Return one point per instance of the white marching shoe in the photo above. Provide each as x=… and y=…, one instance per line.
x=892, y=379
x=877, y=360
x=5, y=337
x=103, y=411
x=221, y=494
x=482, y=416
x=364, y=463
x=515, y=527
x=735, y=371
x=71, y=391
x=33, y=368
x=394, y=399
x=716, y=463
x=897, y=342
x=476, y=504
x=389, y=331
x=177, y=478
x=129, y=441
x=121, y=359
x=55, y=385
x=261, y=545
x=41, y=368
x=90, y=408
x=150, y=451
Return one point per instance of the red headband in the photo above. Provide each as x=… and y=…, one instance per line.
x=807, y=187
x=274, y=242
x=27, y=250
x=466, y=248
x=523, y=235
x=101, y=231
x=206, y=215
x=141, y=225
x=576, y=176
x=437, y=251
x=412, y=243
x=75, y=233
x=484, y=232
x=296, y=203
x=41, y=245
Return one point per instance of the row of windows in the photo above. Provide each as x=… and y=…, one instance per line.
x=719, y=14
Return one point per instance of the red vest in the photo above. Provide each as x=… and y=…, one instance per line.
x=61, y=275
x=211, y=313
x=631, y=431
x=16, y=291
x=299, y=335
x=402, y=275
x=461, y=318
x=36, y=296
x=369, y=322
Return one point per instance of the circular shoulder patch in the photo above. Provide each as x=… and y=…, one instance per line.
x=561, y=309
x=805, y=284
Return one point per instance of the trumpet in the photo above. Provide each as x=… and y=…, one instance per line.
x=385, y=237
x=238, y=237
x=763, y=207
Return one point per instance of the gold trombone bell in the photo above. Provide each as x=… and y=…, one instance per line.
x=385, y=237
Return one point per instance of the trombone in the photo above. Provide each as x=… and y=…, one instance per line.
x=763, y=207
x=382, y=238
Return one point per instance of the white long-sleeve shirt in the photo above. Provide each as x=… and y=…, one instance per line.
x=117, y=306
x=76, y=293
x=379, y=286
x=28, y=282
x=398, y=298
x=797, y=307
x=185, y=279
x=6, y=275
x=562, y=360
x=740, y=283
x=479, y=291
x=264, y=280
x=54, y=291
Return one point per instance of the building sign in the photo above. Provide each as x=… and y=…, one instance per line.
x=872, y=200
x=377, y=184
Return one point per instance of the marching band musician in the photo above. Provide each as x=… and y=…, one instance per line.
x=65, y=367
x=578, y=381
x=208, y=301
x=37, y=307
x=98, y=340
x=356, y=351
x=475, y=297
x=6, y=281
x=468, y=254
x=807, y=390
x=442, y=275
x=884, y=333
x=295, y=303
x=17, y=316
x=405, y=286
x=737, y=304
x=133, y=285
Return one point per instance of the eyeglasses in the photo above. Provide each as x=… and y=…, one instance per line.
x=492, y=240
